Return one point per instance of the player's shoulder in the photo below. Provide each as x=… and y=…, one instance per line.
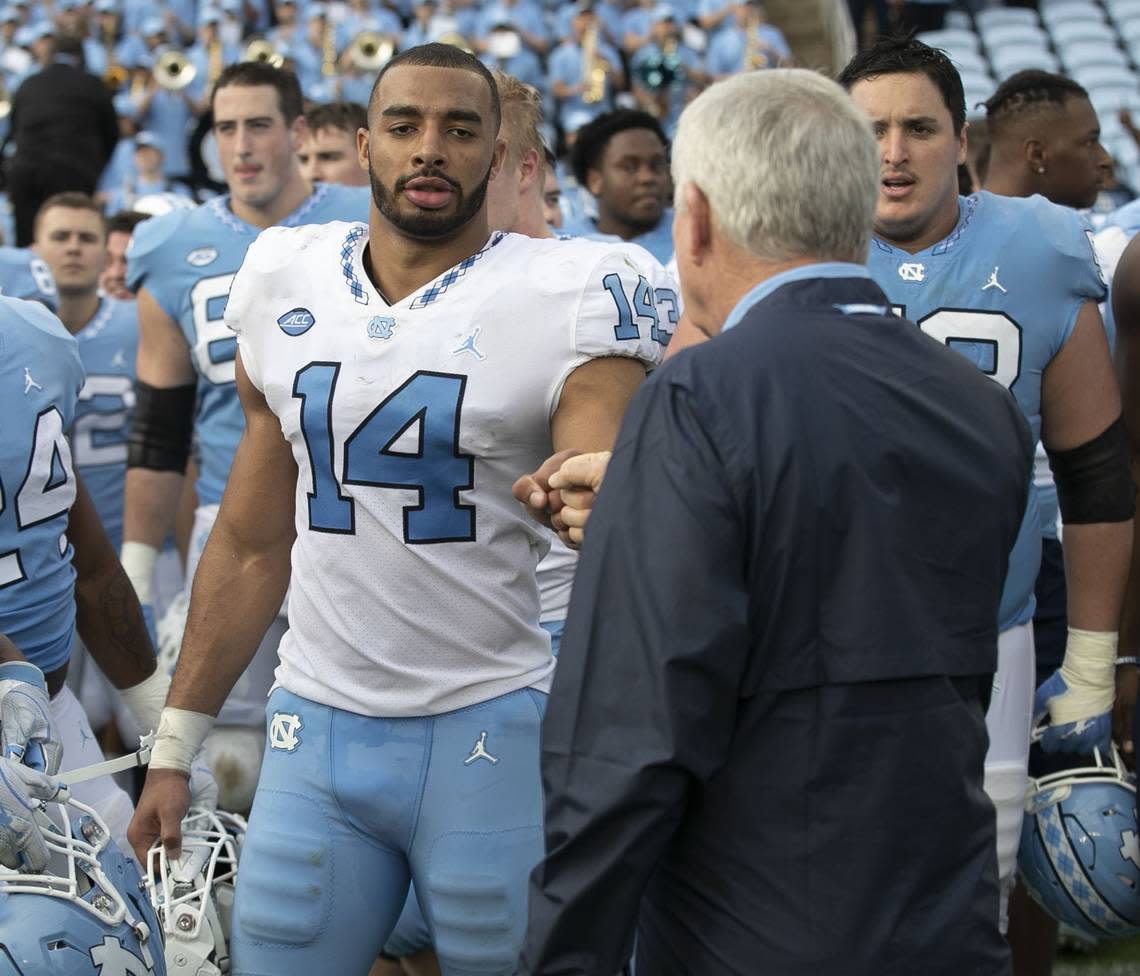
x=277, y=248
x=24, y=313
x=332, y=200
x=28, y=328
x=155, y=234
x=1038, y=223
x=1126, y=218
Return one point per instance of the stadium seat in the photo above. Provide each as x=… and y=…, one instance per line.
x=951, y=39
x=1124, y=10
x=1091, y=54
x=1130, y=30
x=965, y=60
x=1070, y=11
x=1073, y=31
x=958, y=18
x=1021, y=35
x=1010, y=60
x=1108, y=100
x=1095, y=75
x=1004, y=16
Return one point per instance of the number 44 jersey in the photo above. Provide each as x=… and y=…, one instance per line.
x=1004, y=290
x=413, y=589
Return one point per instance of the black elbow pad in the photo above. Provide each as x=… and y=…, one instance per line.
x=163, y=427
x=1094, y=483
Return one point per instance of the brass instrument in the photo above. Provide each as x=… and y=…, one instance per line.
x=594, y=69
x=369, y=51
x=214, y=61
x=173, y=71
x=328, y=48
x=455, y=39
x=262, y=50
x=755, y=53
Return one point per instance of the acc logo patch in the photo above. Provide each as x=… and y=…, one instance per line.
x=381, y=326
x=201, y=256
x=297, y=321
x=283, y=731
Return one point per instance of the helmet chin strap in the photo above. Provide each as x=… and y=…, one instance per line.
x=131, y=760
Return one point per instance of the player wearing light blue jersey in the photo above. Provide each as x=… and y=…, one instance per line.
x=24, y=275
x=58, y=572
x=182, y=265
x=1013, y=285
x=397, y=378
x=70, y=237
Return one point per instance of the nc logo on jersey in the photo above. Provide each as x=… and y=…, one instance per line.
x=297, y=321
x=201, y=256
x=283, y=731
x=912, y=271
x=381, y=326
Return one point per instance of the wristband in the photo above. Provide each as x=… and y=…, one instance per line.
x=1134, y=661
x=180, y=736
x=22, y=672
x=138, y=561
x=146, y=699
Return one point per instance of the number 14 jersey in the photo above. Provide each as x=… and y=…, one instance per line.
x=413, y=589
x=1004, y=290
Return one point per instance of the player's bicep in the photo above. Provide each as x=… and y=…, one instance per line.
x=257, y=507
x=163, y=355
x=1079, y=394
x=593, y=402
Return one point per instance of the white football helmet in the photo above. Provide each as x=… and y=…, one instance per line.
x=86, y=913
x=194, y=895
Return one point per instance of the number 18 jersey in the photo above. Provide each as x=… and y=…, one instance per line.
x=1004, y=290
x=413, y=574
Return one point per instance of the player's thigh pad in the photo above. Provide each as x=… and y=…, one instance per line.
x=81, y=749
x=480, y=832
x=319, y=889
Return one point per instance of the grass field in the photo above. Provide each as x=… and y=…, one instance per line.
x=1111, y=959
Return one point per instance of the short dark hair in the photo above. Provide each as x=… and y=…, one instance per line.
x=71, y=200
x=251, y=74
x=68, y=46
x=436, y=55
x=905, y=55
x=348, y=116
x=125, y=221
x=594, y=136
x=1026, y=93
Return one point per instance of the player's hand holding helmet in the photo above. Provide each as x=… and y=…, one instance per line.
x=1079, y=696
x=27, y=731
x=22, y=790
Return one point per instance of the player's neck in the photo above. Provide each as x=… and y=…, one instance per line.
x=292, y=195
x=939, y=228
x=1008, y=181
x=399, y=265
x=531, y=222
x=75, y=311
x=607, y=223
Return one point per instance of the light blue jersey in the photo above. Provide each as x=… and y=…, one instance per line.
x=658, y=241
x=187, y=259
x=108, y=345
x=40, y=380
x=1004, y=289
x=23, y=275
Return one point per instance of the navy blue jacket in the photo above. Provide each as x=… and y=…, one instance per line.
x=765, y=740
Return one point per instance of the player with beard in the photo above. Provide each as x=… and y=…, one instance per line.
x=394, y=386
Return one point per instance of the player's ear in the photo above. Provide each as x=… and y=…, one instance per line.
x=298, y=130
x=963, y=151
x=530, y=169
x=1035, y=155
x=362, y=149
x=693, y=224
x=594, y=181
x=498, y=157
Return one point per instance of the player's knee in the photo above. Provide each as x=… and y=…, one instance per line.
x=285, y=885
x=476, y=887
x=233, y=754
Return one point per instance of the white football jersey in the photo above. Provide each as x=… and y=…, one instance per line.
x=556, y=571
x=413, y=575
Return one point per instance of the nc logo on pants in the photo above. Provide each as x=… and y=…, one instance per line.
x=283, y=729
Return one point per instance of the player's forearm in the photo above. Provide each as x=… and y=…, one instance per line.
x=149, y=506
x=1097, y=558
x=238, y=590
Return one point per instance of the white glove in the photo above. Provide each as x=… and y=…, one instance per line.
x=28, y=733
x=22, y=789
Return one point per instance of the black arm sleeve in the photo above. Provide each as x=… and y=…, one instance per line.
x=645, y=695
x=163, y=427
x=1094, y=483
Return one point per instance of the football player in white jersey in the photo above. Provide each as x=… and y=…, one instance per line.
x=181, y=264
x=397, y=377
